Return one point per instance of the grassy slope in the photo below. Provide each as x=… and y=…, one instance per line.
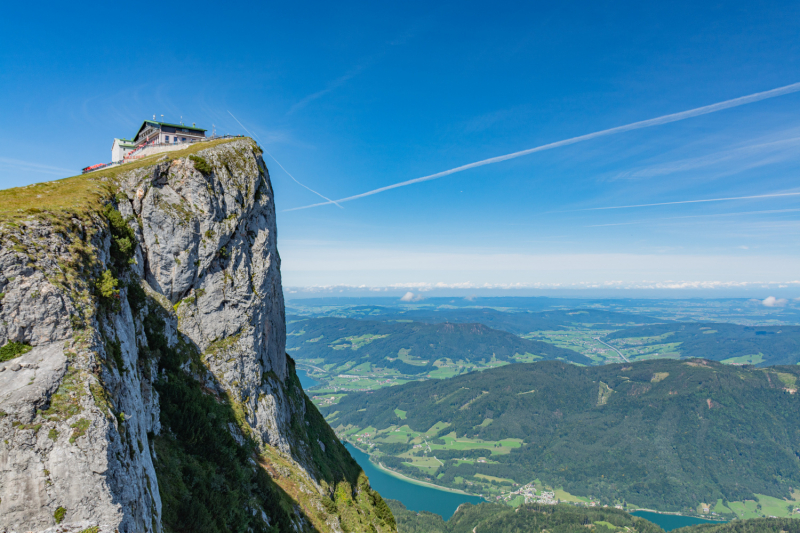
x=78, y=195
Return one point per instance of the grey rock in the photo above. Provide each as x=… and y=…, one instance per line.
x=77, y=417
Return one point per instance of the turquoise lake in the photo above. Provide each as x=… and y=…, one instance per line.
x=305, y=381
x=421, y=498
x=414, y=497
x=668, y=522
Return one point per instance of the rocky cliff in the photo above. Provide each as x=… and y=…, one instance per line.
x=144, y=384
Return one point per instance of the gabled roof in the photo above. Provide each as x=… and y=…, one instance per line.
x=156, y=123
x=125, y=143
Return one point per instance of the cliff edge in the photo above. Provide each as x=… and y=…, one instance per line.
x=144, y=384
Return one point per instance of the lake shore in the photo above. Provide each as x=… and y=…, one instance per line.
x=672, y=513
x=397, y=475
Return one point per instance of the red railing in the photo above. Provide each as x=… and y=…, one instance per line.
x=94, y=167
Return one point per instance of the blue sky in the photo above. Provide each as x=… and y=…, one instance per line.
x=350, y=97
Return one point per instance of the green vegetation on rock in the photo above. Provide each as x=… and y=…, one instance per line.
x=12, y=350
x=79, y=429
x=59, y=514
x=201, y=165
x=210, y=482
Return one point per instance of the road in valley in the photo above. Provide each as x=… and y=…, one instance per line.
x=605, y=343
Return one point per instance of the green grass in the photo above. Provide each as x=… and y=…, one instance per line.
x=769, y=506
x=404, y=354
x=486, y=422
x=400, y=414
x=79, y=429
x=78, y=195
x=428, y=465
x=752, y=359
x=788, y=379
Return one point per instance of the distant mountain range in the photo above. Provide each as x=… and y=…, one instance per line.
x=410, y=347
x=421, y=332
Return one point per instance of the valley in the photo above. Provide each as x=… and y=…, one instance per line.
x=662, y=434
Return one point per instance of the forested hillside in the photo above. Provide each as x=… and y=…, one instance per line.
x=663, y=433
x=410, y=347
x=771, y=345
x=496, y=518
x=754, y=525
x=563, y=518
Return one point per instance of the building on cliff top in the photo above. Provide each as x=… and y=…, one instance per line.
x=121, y=148
x=153, y=132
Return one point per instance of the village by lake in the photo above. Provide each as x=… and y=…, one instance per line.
x=422, y=497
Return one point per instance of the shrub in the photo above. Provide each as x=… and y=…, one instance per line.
x=13, y=349
x=123, y=239
x=107, y=290
x=59, y=514
x=201, y=165
x=114, y=350
x=137, y=298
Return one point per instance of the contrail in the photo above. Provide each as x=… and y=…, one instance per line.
x=691, y=201
x=329, y=201
x=714, y=215
x=727, y=104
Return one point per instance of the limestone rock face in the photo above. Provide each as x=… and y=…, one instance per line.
x=192, y=255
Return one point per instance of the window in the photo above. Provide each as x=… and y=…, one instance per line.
x=166, y=138
x=183, y=139
x=175, y=139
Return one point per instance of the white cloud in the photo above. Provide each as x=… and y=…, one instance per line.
x=421, y=287
x=411, y=297
x=771, y=301
x=327, y=265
